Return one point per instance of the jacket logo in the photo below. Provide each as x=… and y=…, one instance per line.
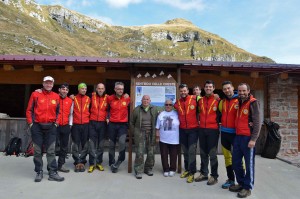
x=124, y=103
x=42, y=100
x=192, y=107
x=214, y=108
x=53, y=101
x=236, y=106
x=245, y=111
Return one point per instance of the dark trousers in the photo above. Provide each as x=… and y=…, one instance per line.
x=96, y=138
x=117, y=130
x=208, y=141
x=79, y=134
x=168, y=152
x=63, y=134
x=47, y=137
x=240, y=151
x=188, y=139
x=227, y=141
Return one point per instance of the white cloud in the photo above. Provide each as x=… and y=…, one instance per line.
x=184, y=4
x=122, y=3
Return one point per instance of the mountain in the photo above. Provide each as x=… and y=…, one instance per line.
x=30, y=28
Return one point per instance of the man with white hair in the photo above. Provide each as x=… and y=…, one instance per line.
x=42, y=116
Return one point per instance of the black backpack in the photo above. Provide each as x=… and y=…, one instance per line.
x=14, y=146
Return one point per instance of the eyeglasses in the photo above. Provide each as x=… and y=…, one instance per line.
x=168, y=104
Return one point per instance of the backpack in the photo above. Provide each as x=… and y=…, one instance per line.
x=14, y=146
x=29, y=151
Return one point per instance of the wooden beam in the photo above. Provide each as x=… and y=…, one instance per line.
x=69, y=68
x=38, y=68
x=8, y=67
x=100, y=69
x=224, y=74
x=284, y=76
x=254, y=75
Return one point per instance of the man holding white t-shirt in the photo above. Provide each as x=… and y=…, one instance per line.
x=167, y=134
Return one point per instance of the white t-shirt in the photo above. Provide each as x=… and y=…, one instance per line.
x=168, y=125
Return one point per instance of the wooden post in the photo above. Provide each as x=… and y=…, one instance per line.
x=179, y=147
x=132, y=96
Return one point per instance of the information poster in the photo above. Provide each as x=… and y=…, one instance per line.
x=159, y=88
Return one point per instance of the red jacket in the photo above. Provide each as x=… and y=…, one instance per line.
x=43, y=107
x=118, y=108
x=242, y=118
x=209, y=113
x=81, y=112
x=228, y=108
x=65, y=110
x=187, y=112
x=98, y=107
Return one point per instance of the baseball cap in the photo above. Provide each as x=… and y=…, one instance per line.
x=48, y=78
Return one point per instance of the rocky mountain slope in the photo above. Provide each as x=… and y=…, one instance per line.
x=29, y=28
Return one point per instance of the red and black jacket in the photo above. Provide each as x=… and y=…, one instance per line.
x=118, y=108
x=81, y=113
x=98, y=107
x=43, y=107
x=209, y=113
x=187, y=112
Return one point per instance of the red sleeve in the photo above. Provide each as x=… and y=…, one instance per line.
x=30, y=108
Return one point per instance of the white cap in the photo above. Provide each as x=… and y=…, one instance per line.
x=48, y=78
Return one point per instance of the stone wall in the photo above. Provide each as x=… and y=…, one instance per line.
x=283, y=101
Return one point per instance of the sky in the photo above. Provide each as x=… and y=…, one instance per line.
x=263, y=27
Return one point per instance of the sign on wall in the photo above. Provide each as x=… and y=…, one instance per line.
x=159, y=87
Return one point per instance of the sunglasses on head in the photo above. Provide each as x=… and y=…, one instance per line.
x=168, y=104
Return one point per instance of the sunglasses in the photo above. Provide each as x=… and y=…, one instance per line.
x=168, y=104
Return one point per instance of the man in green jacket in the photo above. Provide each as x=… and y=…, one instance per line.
x=142, y=123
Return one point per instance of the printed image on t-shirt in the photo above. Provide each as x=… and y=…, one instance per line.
x=167, y=123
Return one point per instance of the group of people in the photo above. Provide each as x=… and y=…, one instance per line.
x=191, y=119
x=86, y=117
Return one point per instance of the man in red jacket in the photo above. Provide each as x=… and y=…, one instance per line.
x=42, y=116
x=208, y=134
x=118, y=125
x=97, y=127
x=80, y=129
x=64, y=128
x=248, y=125
x=186, y=107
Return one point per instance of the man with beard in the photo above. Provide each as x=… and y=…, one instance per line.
x=186, y=107
x=228, y=107
x=118, y=125
x=97, y=127
x=64, y=128
x=208, y=134
x=248, y=125
x=42, y=115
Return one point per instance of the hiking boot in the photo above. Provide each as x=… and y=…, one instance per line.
x=99, y=167
x=55, y=177
x=201, y=177
x=39, y=176
x=212, y=181
x=236, y=188
x=244, y=193
x=114, y=167
x=185, y=174
x=228, y=184
x=81, y=167
x=91, y=169
x=62, y=168
x=138, y=176
x=190, y=178
x=76, y=168
x=149, y=172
